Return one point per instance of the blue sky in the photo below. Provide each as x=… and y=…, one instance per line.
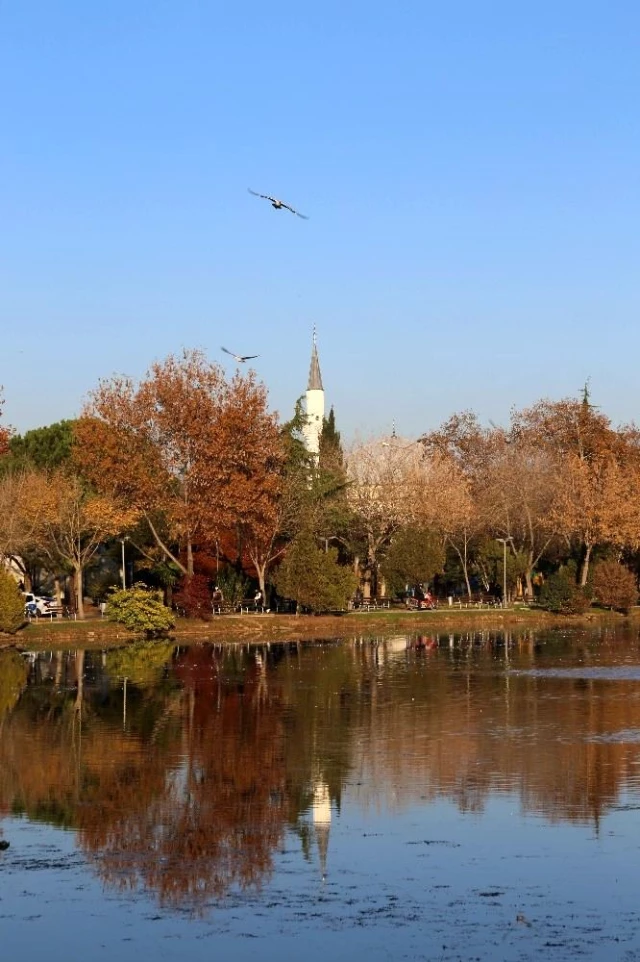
x=470, y=170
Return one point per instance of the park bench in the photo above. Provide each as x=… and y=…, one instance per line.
x=248, y=606
x=478, y=601
x=371, y=604
x=224, y=608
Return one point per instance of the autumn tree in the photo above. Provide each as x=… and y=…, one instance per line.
x=517, y=494
x=192, y=452
x=21, y=493
x=614, y=586
x=73, y=523
x=506, y=486
x=380, y=494
x=445, y=503
x=264, y=535
x=597, y=472
x=17, y=521
x=460, y=454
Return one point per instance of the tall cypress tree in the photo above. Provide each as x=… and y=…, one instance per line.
x=331, y=454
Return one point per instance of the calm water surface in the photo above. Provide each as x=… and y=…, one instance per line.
x=445, y=798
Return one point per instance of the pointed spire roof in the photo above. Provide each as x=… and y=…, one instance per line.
x=315, y=378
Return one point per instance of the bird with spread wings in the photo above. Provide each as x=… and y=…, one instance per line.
x=278, y=204
x=240, y=358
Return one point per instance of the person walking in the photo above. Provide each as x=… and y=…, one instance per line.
x=217, y=599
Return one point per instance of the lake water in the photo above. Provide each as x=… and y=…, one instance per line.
x=452, y=797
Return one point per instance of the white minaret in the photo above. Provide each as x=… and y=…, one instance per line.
x=321, y=813
x=314, y=404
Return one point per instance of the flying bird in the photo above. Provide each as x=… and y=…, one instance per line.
x=278, y=204
x=239, y=357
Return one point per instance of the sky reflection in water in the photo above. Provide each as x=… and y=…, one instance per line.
x=450, y=798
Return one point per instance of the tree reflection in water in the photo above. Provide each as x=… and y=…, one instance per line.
x=221, y=752
x=205, y=813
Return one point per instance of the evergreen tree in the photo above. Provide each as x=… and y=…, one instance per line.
x=414, y=557
x=44, y=448
x=312, y=577
x=330, y=486
x=331, y=454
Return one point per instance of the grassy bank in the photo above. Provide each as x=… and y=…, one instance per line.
x=269, y=627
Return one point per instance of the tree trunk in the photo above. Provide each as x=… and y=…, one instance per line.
x=158, y=540
x=528, y=580
x=189, y=557
x=79, y=589
x=370, y=587
x=464, y=561
x=261, y=569
x=584, y=571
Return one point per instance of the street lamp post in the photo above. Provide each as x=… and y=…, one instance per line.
x=124, y=570
x=504, y=570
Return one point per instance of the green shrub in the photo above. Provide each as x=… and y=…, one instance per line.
x=561, y=594
x=614, y=586
x=11, y=605
x=140, y=609
x=313, y=578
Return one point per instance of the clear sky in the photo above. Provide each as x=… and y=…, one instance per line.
x=470, y=169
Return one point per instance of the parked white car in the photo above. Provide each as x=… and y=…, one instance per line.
x=37, y=605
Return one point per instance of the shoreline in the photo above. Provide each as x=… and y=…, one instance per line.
x=243, y=629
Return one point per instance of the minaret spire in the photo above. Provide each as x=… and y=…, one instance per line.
x=315, y=378
x=314, y=402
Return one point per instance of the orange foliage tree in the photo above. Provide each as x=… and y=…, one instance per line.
x=501, y=485
x=560, y=473
x=73, y=522
x=381, y=495
x=597, y=470
x=20, y=493
x=194, y=453
x=445, y=502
